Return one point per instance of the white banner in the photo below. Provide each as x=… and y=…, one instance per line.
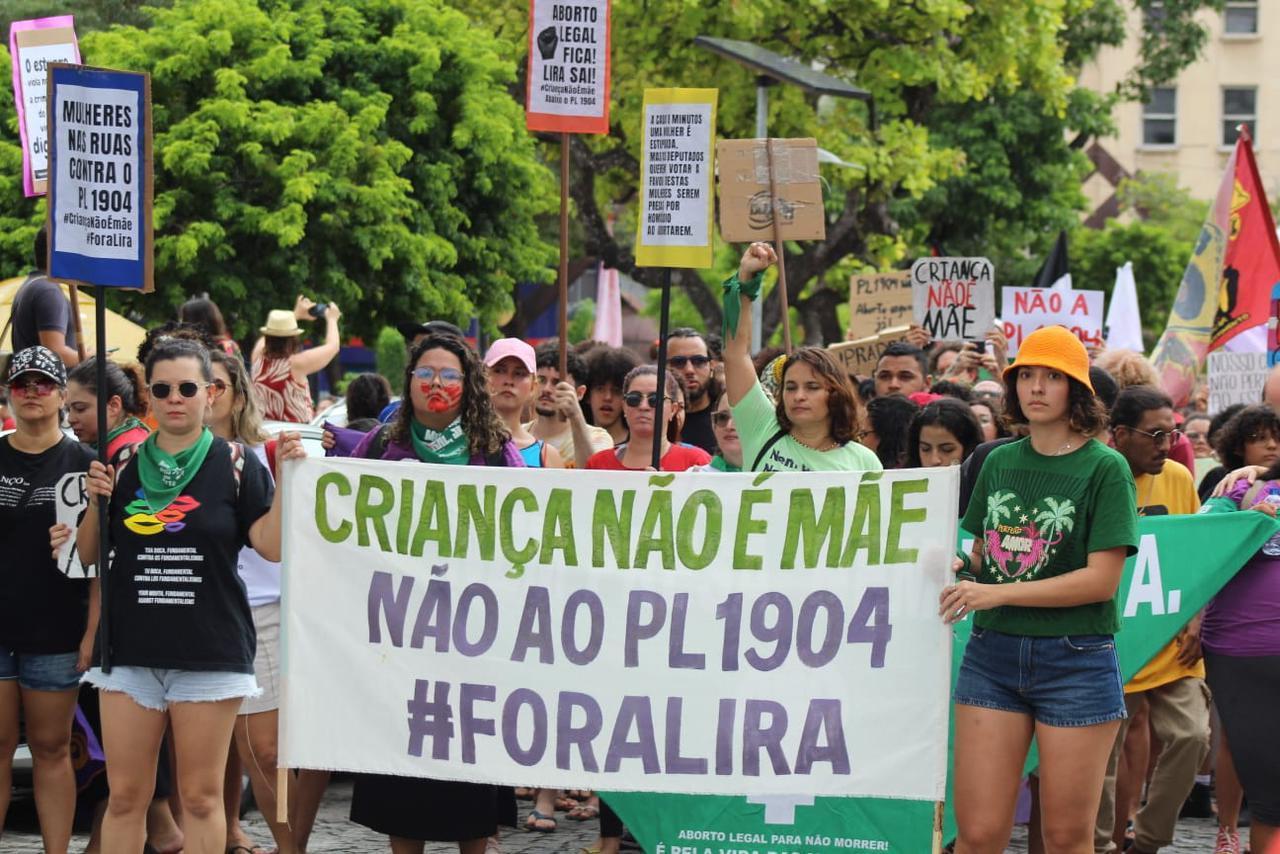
x=1235, y=378
x=701, y=633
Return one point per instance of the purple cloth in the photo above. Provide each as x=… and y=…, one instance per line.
x=509, y=457
x=344, y=440
x=1244, y=618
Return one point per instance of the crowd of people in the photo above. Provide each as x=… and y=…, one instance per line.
x=1060, y=451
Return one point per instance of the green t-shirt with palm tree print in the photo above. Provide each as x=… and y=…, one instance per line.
x=1041, y=516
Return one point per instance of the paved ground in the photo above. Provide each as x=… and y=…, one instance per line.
x=334, y=833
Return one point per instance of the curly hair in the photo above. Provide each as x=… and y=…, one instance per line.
x=890, y=417
x=1229, y=441
x=1128, y=368
x=485, y=432
x=1085, y=413
x=842, y=403
x=951, y=415
x=246, y=417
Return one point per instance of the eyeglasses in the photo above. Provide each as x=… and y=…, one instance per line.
x=446, y=376
x=679, y=362
x=721, y=418
x=1160, y=436
x=1194, y=435
x=188, y=389
x=43, y=388
x=219, y=385
x=633, y=398
x=1261, y=437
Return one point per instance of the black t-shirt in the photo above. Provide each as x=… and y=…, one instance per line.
x=177, y=601
x=972, y=467
x=41, y=306
x=697, y=430
x=42, y=611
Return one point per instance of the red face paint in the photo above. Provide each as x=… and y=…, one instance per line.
x=442, y=398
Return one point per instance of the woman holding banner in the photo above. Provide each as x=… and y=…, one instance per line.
x=815, y=421
x=45, y=633
x=179, y=512
x=448, y=419
x=1053, y=516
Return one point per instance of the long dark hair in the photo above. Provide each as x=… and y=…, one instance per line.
x=890, y=417
x=203, y=312
x=486, y=434
x=124, y=382
x=951, y=415
x=842, y=404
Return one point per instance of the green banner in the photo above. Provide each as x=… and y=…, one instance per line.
x=1182, y=561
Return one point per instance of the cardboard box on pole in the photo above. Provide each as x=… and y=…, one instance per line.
x=745, y=200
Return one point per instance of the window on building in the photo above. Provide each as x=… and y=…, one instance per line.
x=1153, y=17
x=1239, y=107
x=1240, y=17
x=1160, y=117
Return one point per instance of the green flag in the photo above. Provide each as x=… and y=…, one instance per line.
x=1182, y=561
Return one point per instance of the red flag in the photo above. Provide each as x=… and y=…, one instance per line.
x=1251, y=264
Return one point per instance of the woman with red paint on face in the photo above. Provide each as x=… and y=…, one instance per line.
x=448, y=419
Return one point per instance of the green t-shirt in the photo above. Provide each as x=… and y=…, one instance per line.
x=1040, y=517
x=757, y=423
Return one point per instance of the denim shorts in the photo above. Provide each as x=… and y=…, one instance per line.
x=153, y=688
x=37, y=672
x=1066, y=681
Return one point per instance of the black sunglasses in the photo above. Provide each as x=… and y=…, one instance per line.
x=188, y=389
x=633, y=398
x=678, y=362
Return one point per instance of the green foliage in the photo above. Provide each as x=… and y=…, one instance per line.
x=390, y=354
x=582, y=320
x=368, y=154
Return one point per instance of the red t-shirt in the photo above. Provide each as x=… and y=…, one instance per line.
x=677, y=458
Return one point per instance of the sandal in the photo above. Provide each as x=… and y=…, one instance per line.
x=535, y=819
x=583, y=812
x=565, y=803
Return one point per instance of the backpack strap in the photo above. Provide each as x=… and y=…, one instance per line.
x=773, y=440
x=237, y=464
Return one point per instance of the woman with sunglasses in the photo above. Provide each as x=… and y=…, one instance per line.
x=639, y=402
x=1053, y=516
x=182, y=638
x=448, y=419
x=45, y=632
x=813, y=425
x=126, y=407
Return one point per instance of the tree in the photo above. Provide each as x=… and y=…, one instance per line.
x=369, y=154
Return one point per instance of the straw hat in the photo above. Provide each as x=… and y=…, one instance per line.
x=281, y=324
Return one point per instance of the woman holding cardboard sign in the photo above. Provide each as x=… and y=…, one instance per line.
x=813, y=425
x=1053, y=517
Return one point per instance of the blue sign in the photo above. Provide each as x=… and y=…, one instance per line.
x=100, y=177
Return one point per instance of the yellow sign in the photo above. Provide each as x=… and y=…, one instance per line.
x=677, y=200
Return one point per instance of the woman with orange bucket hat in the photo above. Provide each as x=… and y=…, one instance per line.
x=1053, y=517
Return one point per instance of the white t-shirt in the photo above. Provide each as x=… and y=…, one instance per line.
x=261, y=577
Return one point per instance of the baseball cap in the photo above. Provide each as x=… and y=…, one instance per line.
x=1053, y=347
x=38, y=360
x=513, y=348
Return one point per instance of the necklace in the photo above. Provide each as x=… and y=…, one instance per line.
x=826, y=446
x=1066, y=447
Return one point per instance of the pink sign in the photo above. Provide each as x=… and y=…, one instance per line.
x=33, y=45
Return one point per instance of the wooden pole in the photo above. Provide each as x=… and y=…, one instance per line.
x=282, y=795
x=104, y=535
x=777, y=247
x=937, y=826
x=664, y=321
x=75, y=316
x=564, y=255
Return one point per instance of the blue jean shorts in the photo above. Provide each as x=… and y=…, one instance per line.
x=39, y=672
x=153, y=688
x=1066, y=681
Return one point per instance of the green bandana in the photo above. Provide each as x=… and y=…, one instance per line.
x=719, y=463
x=448, y=447
x=164, y=475
x=124, y=427
x=733, y=289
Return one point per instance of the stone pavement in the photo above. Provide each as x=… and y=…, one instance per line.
x=334, y=833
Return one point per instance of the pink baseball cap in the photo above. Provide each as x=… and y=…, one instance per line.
x=514, y=348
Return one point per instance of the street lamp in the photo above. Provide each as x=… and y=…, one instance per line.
x=771, y=68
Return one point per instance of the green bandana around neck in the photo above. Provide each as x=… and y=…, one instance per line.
x=733, y=289
x=164, y=475
x=124, y=427
x=719, y=463
x=447, y=447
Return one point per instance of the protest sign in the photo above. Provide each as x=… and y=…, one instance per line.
x=1180, y=564
x=878, y=301
x=954, y=298
x=33, y=46
x=746, y=202
x=620, y=630
x=568, y=72
x=1235, y=378
x=1024, y=310
x=675, y=178
x=100, y=177
x=70, y=502
x=859, y=358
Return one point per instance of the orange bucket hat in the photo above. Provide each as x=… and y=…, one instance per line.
x=1053, y=347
